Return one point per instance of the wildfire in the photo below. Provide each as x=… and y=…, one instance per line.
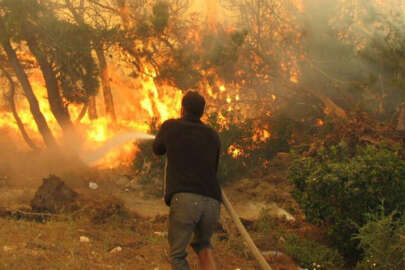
x=141, y=100
x=261, y=135
x=235, y=151
x=320, y=122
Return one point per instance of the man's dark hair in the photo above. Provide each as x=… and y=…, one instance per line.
x=193, y=104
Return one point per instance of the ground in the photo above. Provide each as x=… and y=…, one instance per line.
x=96, y=237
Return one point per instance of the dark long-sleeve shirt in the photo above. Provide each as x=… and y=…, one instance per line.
x=192, y=150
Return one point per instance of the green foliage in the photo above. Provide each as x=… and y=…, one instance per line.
x=64, y=45
x=160, y=16
x=339, y=186
x=75, y=67
x=181, y=70
x=383, y=240
x=312, y=255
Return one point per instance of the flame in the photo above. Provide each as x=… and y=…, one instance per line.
x=141, y=100
x=235, y=151
x=135, y=112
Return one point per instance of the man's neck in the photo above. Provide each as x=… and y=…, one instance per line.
x=191, y=118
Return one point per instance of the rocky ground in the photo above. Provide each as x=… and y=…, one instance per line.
x=121, y=223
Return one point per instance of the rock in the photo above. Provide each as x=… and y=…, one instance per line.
x=252, y=210
x=93, y=185
x=84, y=239
x=8, y=248
x=161, y=234
x=54, y=196
x=116, y=249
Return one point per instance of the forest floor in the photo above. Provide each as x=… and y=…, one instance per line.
x=138, y=240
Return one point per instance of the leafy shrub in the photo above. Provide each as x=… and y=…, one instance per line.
x=339, y=186
x=383, y=240
x=312, y=255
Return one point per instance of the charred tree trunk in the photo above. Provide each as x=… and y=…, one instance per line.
x=54, y=97
x=105, y=81
x=92, y=108
x=17, y=118
x=39, y=119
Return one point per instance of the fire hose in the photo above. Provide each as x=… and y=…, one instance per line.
x=236, y=220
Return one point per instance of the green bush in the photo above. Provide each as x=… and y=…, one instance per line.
x=383, y=242
x=312, y=255
x=339, y=186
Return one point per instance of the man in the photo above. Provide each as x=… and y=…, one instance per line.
x=192, y=190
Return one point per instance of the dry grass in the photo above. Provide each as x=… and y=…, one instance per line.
x=56, y=245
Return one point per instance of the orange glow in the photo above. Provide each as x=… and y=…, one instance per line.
x=261, y=135
x=234, y=151
x=319, y=122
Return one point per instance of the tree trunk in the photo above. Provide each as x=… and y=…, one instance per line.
x=92, y=108
x=39, y=119
x=17, y=118
x=82, y=113
x=54, y=97
x=105, y=81
x=401, y=119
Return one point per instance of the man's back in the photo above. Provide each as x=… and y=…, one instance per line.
x=192, y=150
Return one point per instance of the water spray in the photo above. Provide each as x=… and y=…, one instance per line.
x=93, y=157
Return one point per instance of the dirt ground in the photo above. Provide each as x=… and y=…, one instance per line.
x=136, y=238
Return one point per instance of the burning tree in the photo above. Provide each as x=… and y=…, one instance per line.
x=264, y=61
x=66, y=65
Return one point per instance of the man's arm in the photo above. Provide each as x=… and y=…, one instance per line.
x=159, y=147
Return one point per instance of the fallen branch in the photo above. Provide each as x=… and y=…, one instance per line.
x=19, y=214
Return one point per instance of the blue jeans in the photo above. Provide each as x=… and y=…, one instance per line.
x=190, y=213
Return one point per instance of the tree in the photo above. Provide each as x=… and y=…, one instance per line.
x=39, y=119
x=274, y=52
x=372, y=34
x=67, y=66
x=11, y=102
x=102, y=34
